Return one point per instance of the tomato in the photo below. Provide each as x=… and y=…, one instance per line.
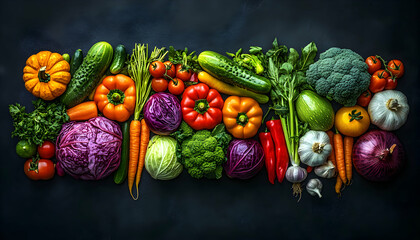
x=159, y=84
x=46, y=150
x=157, y=69
x=390, y=83
x=378, y=81
x=373, y=63
x=182, y=74
x=176, y=87
x=364, y=98
x=24, y=149
x=352, y=121
x=396, y=67
x=170, y=69
x=44, y=170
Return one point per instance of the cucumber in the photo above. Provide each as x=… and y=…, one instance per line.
x=76, y=61
x=315, y=110
x=229, y=71
x=121, y=173
x=87, y=76
x=118, y=63
x=66, y=57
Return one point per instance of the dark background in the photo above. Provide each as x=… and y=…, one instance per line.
x=64, y=208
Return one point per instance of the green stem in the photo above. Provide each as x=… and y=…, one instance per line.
x=42, y=75
x=297, y=160
x=242, y=119
x=283, y=121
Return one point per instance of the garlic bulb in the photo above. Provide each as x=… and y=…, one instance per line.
x=314, y=148
x=296, y=174
x=388, y=109
x=314, y=187
x=326, y=170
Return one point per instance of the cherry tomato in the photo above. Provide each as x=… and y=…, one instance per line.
x=170, y=69
x=43, y=171
x=46, y=150
x=373, y=63
x=176, y=87
x=159, y=84
x=390, y=83
x=396, y=67
x=364, y=98
x=182, y=74
x=157, y=69
x=378, y=81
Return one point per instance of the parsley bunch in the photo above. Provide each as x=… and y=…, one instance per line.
x=189, y=61
x=44, y=123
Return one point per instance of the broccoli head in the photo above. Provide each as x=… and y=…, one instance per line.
x=340, y=75
x=203, y=156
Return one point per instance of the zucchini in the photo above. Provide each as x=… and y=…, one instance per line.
x=76, y=61
x=66, y=57
x=315, y=110
x=87, y=76
x=231, y=72
x=121, y=173
x=120, y=57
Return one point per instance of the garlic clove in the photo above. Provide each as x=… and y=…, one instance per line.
x=314, y=187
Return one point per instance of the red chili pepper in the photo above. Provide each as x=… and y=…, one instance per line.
x=270, y=157
x=309, y=169
x=282, y=156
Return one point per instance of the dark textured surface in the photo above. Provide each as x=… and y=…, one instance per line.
x=65, y=208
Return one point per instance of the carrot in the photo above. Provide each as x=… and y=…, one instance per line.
x=83, y=111
x=139, y=64
x=348, y=148
x=338, y=185
x=144, y=142
x=339, y=156
x=332, y=155
x=133, y=154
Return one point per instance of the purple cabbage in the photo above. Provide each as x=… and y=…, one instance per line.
x=89, y=150
x=162, y=113
x=245, y=158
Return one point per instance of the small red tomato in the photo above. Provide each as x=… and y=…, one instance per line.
x=176, y=87
x=373, y=63
x=364, y=99
x=378, y=81
x=43, y=170
x=159, y=84
x=396, y=67
x=46, y=150
x=182, y=74
x=390, y=83
x=157, y=69
x=170, y=69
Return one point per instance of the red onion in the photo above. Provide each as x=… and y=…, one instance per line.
x=378, y=155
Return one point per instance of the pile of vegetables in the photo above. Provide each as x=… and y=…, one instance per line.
x=115, y=112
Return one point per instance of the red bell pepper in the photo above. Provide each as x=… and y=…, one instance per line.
x=282, y=156
x=201, y=107
x=270, y=157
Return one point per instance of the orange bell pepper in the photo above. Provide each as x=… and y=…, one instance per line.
x=242, y=116
x=116, y=97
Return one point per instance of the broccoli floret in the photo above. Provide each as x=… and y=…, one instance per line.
x=202, y=155
x=340, y=75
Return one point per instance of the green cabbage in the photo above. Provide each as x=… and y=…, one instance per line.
x=161, y=161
